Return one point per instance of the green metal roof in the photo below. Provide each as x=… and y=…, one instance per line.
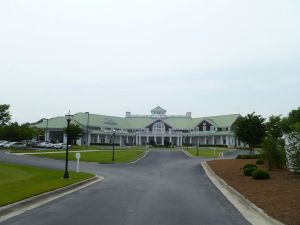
x=176, y=122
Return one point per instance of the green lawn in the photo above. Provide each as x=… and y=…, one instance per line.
x=19, y=182
x=205, y=152
x=121, y=156
x=75, y=148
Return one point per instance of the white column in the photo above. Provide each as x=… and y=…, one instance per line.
x=155, y=139
x=177, y=141
x=213, y=140
x=181, y=141
x=106, y=141
x=198, y=141
x=47, y=135
x=65, y=138
x=127, y=140
x=221, y=140
x=191, y=141
x=90, y=139
x=205, y=140
x=136, y=140
x=147, y=139
x=170, y=140
x=227, y=141
x=120, y=140
x=162, y=140
x=98, y=138
x=78, y=142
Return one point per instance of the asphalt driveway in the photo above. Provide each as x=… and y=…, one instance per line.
x=166, y=187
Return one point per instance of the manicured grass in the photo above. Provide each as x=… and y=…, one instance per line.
x=19, y=182
x=121, y=156
x=75, y=148
x=205, y=152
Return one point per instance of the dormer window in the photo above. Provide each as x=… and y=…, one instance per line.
x=204, y=126
x=159, y=127
x=197, y=129
x=212, y=128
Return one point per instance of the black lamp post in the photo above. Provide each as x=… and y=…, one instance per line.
x=187, y=145
x=113, y=140
x=69, y=118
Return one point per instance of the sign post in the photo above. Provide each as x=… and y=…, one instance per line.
x=78, y=158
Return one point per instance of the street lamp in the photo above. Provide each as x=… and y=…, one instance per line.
x=87, y=130
x=69, y=118
x=113, y=140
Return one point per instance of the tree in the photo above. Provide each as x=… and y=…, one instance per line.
x=273, y=153
x=292, y=122
x=4, y=114
x=273, y=127
x=15, y=132
x=75, y=132
x=250, y=130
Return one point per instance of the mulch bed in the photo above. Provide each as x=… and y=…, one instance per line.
x=278, y=196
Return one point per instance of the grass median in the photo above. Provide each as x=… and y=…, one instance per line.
x=121, y=156
x=19, y=182
x=205, y=152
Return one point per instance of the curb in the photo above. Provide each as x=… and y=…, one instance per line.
x=22, y=206
x=199, y=157
x=249, y=210
x=189, y=154
x=117, y=163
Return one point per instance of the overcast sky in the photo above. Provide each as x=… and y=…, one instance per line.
x=108, y=57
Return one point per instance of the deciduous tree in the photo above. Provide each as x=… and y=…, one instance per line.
x=250, y=130
x=75, y=132
x=4, y=114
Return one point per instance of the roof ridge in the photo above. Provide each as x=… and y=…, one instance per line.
x=217, y=115
x=100, y=115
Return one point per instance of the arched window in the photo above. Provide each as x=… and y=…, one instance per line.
x=212, y=128
x=204, y=126
x=159, y=127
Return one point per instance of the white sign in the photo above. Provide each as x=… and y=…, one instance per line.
x=77, y=155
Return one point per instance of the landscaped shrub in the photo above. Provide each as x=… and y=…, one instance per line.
x=249, y=165
x=259, y=162
x=260, y=174
x=221, y=146
x=249, y=170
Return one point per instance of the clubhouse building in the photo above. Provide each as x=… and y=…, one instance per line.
x=157, y=128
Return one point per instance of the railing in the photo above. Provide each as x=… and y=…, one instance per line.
x=203, y=132
x=159, y=132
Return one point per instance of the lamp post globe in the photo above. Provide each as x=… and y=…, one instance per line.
x=69, y=118
x=113, y=142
